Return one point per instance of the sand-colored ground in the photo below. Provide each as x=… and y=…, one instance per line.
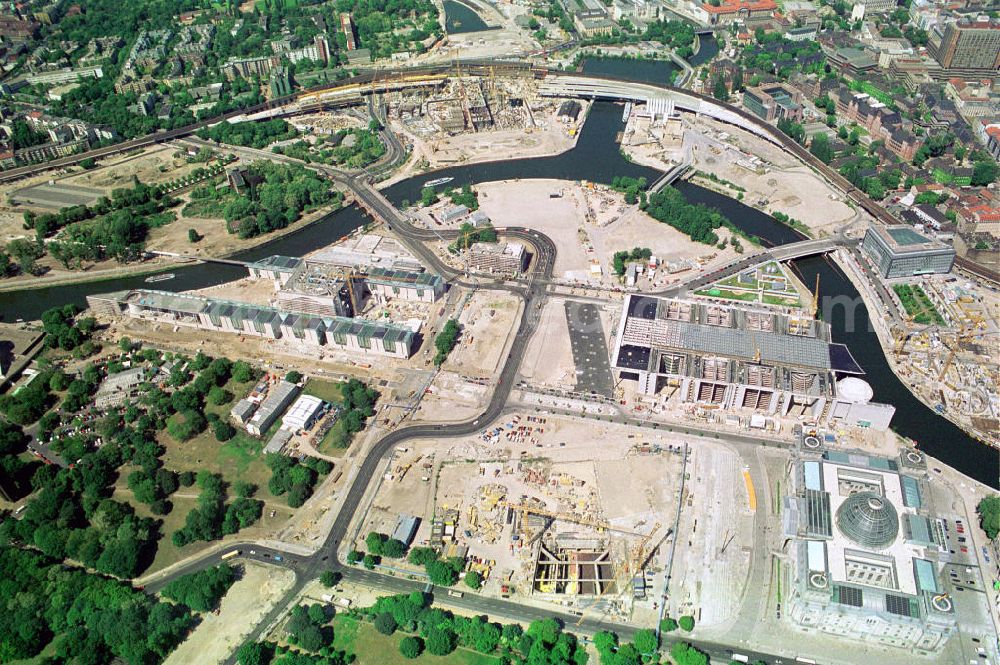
x=589, y=225
x=548, y=137
x=452, y=398
x=246, y=603
x=786, y=186
x=549, y=358
x=486, y=322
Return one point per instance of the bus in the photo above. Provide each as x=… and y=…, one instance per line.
x=230, y=555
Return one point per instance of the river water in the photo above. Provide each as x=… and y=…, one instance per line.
x=459, y=18
x=596, y=157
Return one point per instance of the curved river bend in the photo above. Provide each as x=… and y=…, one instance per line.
x=596, y=157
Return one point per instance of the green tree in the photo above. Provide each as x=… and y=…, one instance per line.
x=685, y=654
x=719, y=90
x=645, y=641
x=821, y=148
x=668, y=625
x=473, y=580
x=329, y=579
x=385, y=623
x=989, y=515
x=193, y=235
x=441, y=641
x=686, y=623
x=242, y=372
x=411, y=647
x=984, y=173
x=293, y=377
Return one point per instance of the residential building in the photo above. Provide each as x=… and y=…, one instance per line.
x=65, y=75
x=899, y=251
x=347, y=28
x=878, y=6
x=774, y=102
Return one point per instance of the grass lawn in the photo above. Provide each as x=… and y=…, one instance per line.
x=370, y=646
x=747, y=296
x=328, y=391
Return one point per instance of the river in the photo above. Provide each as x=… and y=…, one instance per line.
x=596, y=157
x=459, y=18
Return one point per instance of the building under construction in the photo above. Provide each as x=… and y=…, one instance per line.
x=574, y=566
x=734, y=357
x=327, y=289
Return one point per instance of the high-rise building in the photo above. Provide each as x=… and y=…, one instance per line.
x=970, y=45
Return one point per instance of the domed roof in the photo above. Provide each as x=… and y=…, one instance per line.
x=868, y=519
x=855, y=390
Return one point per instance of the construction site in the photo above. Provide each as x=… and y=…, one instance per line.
x=947, y=349
x=555, y=510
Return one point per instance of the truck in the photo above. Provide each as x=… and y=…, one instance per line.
x=327, y=598
x=740, y=658
x=230, y=555
x=455, y=594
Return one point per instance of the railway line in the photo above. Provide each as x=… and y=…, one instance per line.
x=324, y=97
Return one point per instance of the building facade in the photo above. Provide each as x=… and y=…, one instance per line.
x=773, y=103
x=970, y=45
x=899, y=251
x=350, y=335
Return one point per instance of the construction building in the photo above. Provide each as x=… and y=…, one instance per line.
x=735, y=357
x=277, y=400
x=866, y=550
x=498, y=257
x=303, y=413
x=899, y=251
x=352, y=335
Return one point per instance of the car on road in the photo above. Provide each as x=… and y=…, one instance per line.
x=277, y=557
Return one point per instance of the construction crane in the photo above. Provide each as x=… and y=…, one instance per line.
x=525, y=510
x=815, y=301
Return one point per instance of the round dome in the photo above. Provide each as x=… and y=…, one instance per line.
x=855, y=390
x=868, y=519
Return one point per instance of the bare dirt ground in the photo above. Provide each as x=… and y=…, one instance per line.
x=549, y=358
x=590, y=225
x=248, y=600
x=548, y=137
x=486, y=323
x=590, y=468
x=787, y=186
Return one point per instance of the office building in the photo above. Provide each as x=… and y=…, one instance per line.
x=337, y=333
x=899, y=251
x=728, y=11
x=773, y=103
x=865, y=548
x=970, y=44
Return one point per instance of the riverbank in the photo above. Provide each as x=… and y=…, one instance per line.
x=159, y=264
x=845, y=261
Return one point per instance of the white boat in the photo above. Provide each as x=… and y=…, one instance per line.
x=437, y=181
x=159, y=278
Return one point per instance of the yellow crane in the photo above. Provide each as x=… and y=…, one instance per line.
x=525, y=510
